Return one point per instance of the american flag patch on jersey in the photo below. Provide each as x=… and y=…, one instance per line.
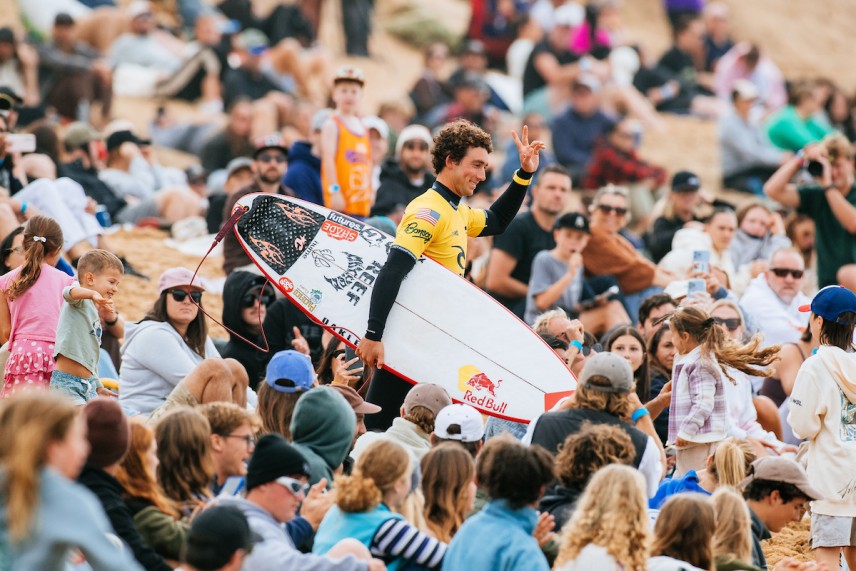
x=428, y=215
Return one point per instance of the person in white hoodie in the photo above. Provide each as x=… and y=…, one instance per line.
x=823, y=411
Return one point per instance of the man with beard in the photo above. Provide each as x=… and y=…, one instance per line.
x=270, y=161
x=510, y=263
x=404, y=178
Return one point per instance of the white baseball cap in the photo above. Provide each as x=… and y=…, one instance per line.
x=466, y=420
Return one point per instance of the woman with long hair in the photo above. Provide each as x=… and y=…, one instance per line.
x=185, y=469
x=367, y=509
x=727, y=466
x=156, y=516
x=629, y=343
x=661, y=359
x=732, y=539
x=683, y=535
x=44, y=512
x=609, y=530
x=449, y=489
x=289, y=374
x=698, y=415
x=168, y=358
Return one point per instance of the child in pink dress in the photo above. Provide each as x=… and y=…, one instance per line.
x=30, y=307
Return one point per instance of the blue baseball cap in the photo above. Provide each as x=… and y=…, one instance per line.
x=830, y=302
x=290, y=372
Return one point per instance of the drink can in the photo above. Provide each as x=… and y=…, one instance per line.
x=103, y=216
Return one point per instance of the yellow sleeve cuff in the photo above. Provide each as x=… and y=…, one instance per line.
x=522, y=181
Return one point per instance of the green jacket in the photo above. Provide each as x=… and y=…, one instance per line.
x=729, y=563
x=161, y=531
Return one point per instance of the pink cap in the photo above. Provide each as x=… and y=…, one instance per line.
x=175, y=277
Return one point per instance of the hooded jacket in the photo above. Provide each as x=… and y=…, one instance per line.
x=396, y=189
x=823, y=411
x=561, y=501
x=237, y=285
x=304, y=173
x=322, y=428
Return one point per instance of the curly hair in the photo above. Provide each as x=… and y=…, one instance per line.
x=455, y=140
x=613, y=514
x=593, y=447
x=379, y=467
x=422, y=417
x=616, y=404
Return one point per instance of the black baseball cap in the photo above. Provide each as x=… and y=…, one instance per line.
x=685, y=181
x=274, y=458
x=215, y=535
x=63, y=20
x=573, y=221
x=116, y=140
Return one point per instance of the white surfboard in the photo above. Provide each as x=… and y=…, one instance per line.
x=442, y=329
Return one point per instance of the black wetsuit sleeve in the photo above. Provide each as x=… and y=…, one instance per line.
x=505, y=208
x=397, y=266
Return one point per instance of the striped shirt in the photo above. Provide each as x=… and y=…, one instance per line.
x=396, y=538
x=698, y=411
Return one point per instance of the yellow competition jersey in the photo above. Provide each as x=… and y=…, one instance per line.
x=436, y=224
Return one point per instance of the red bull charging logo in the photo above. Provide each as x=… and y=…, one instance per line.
x=479, y=389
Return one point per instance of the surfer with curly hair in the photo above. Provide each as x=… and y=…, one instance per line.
x=436, y=224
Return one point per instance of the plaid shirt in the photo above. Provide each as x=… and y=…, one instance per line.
x=610, y=165
x=698, y=411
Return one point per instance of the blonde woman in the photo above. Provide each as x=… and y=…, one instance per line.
x=368, y=506
x=609, y=530
x=449, y=488
x=727, y=466
x=44, y=513
x=732, y=540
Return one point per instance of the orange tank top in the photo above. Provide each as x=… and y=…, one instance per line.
x=353, y=171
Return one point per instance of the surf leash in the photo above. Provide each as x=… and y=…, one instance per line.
x=227, y=227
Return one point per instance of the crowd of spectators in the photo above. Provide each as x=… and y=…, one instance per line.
x=709, y=337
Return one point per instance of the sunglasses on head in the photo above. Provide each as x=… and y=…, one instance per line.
x=250, y=299
x=607, y=209
x=180, y=295
x=731, y=323
x=269, y=158
x=296, y=487
x=783, y=272
x=594, y=348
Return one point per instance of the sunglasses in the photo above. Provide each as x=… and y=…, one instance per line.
x=731, y=323
x=607, y=209
x=296, y=487
x=783, y=272
x=271, y=158
x=250, y=299
x=180, y=295
x=421, y=145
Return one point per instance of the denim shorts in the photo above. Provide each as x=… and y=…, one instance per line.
x=832, y=531
x=79, y=389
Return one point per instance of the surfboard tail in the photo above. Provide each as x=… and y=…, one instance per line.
x=551, y=399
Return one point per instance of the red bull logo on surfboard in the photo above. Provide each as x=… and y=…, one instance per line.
x=479, y=389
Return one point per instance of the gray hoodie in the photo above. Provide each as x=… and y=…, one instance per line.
x=154, y=360
x=276, y=551
x=68, y=516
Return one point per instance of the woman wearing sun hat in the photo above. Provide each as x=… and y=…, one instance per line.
x=169, y=354
x=823, y=411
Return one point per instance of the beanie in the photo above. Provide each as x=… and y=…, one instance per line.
x=274, y=458
x=108, y=432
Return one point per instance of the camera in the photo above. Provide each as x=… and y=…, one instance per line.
x=815, y=169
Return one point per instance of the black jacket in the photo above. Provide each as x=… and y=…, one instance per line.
x=109, y=492
x=561, y=502
x=282, y=316
x=239, y=284
x=553, y=427
x=396, y=189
